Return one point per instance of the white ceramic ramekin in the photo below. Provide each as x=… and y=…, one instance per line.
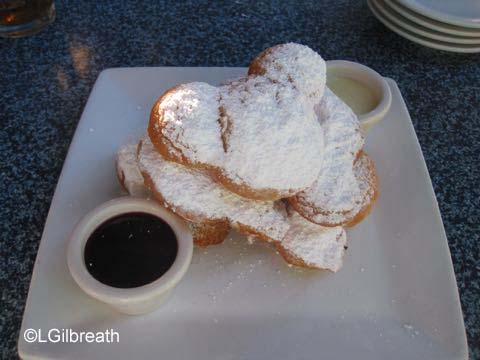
x=141, y=299
x=370, y=79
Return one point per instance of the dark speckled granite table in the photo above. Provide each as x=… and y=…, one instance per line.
x=45, y=81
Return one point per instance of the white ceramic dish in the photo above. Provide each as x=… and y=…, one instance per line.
x=419, y=39
x=395, y=297
x=432, y=23
x=142, y=299
x=409, y=25
x=458, y=12
x=356, y=83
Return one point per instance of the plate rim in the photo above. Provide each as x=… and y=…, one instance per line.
x=417, y=7
x=414, y=27
x=432, y=23
x=438, y=45
x=24, y=347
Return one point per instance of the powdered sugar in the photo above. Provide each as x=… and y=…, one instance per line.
x=190, y=191
x=299, y=65
x=189, y=120
x=336, y=191
x=272, y=133
x=277, y=129
x=341, y=125
x=194, y=192
x=317, y=246
x=362, y=169
x=258, y=132
x=128, y=172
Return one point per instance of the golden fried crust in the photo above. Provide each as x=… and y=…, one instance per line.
x=350, y=218
x=120, y=176
x=289, y=257
x=155, y=127
x=300, y=208
x=368, y=205
x=247, y=230
x=209, y=234
x=243, y=190
x=256, y=66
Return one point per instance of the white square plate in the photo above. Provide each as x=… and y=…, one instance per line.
x=395, y=298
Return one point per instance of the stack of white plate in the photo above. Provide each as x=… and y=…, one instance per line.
x=451, y=25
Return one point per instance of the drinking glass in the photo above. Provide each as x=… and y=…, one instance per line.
x=25, y=17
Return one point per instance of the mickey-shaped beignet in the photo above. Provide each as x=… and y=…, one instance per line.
x=274, y=154
x=253, y=135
